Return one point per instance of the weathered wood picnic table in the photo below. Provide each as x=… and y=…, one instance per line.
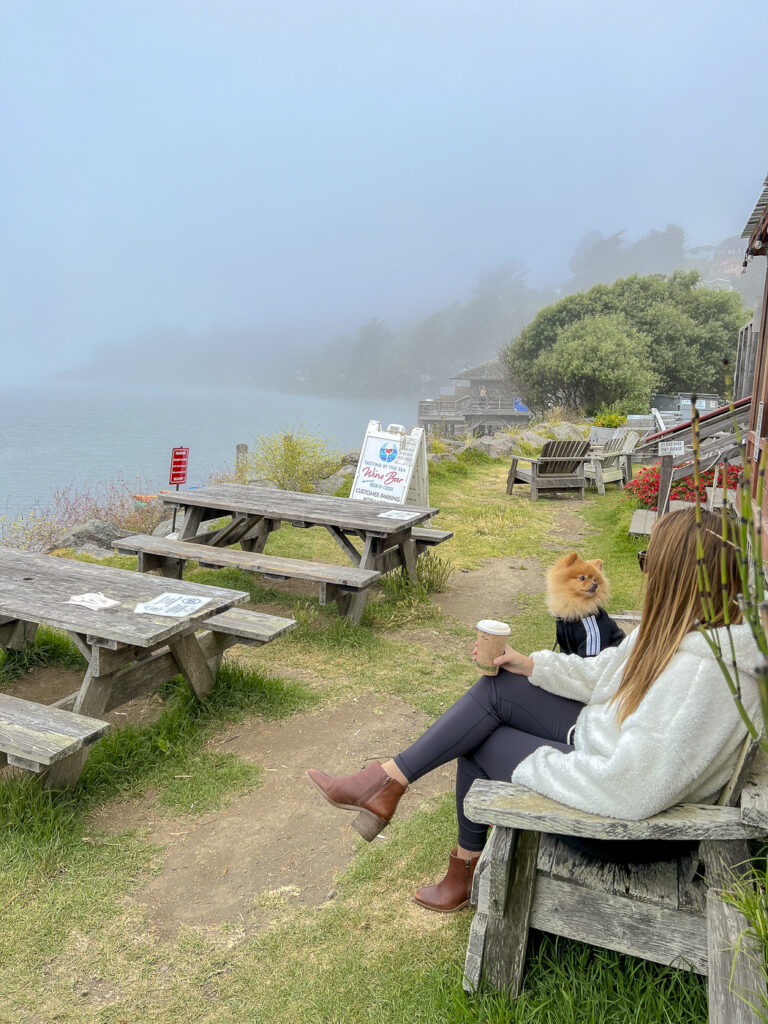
x=390, y=537
x=128, y=652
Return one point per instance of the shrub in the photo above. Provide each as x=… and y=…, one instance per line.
x=528, y=450
x=113, y=502
x=437, y=447
x=294, y=459
x=610, y=418
x=645, y=486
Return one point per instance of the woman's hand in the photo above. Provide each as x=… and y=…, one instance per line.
x=514, y=661
x=511, y=660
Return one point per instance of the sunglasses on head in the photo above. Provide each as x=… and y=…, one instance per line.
x=641, y=556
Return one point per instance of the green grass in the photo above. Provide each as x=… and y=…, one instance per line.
x=48, y=648
x=610, y=518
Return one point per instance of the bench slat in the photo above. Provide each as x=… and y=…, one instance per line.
x=513, y=806
x=37, y=732
x=296, y=568
x=640, y=929
x=249, y=625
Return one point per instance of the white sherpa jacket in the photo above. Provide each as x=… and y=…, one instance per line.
x=680, y=745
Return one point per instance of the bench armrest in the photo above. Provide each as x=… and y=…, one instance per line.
x=513, y=806
x=603, y=456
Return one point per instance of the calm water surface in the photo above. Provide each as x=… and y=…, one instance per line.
x=55, y=435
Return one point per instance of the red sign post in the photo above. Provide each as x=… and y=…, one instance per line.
x=179, y=460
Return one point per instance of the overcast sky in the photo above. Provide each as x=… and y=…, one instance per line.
x=173, y=165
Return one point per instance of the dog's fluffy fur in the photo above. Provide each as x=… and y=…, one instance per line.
x=575, y=588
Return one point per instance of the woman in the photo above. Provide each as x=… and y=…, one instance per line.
x=626, y=734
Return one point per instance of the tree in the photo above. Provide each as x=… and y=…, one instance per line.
x=595, y=362
x=688, y=330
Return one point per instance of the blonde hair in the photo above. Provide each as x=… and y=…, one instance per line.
x=672, y=605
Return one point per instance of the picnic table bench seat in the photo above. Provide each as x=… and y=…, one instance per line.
x=337, y=582
x=35, y=736
x=669, y=912
x=560, y=467
x=427, y=538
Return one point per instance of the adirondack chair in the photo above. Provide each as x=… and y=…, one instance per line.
x=669, y=912
x=613, y=464
x=559, y=468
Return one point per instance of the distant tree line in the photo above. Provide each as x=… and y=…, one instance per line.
x=654, y=328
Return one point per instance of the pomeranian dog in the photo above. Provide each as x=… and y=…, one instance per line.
x=576, y=593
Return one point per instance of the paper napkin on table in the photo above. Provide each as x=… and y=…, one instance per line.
x=93, y=601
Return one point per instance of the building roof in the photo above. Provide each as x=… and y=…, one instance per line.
x=492, y=370
x=758, y=217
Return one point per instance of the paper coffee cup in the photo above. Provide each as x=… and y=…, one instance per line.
x=491, y=641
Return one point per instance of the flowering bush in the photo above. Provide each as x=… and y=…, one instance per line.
x=645, y=486
x=38, y=529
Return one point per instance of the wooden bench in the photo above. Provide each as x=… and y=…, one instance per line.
x=35, y=736
x=337, y=582
x=669, y=912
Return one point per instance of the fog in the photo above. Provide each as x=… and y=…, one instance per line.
x=255, y=180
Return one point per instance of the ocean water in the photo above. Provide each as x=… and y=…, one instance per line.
x=55, y=435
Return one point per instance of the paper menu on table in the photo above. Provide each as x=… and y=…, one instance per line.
x=174, y=605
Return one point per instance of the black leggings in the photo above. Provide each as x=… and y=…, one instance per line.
x=489, y=731
x=498, y=722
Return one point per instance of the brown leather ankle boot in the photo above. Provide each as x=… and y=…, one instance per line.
x=452, y=892
x=371, y=791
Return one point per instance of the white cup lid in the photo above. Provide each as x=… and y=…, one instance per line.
x=493, y=626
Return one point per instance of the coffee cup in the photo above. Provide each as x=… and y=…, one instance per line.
x=491, y=640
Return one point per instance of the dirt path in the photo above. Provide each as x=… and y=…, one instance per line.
x=282, y=839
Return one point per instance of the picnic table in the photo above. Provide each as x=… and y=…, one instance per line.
x=376, y=537
x=128, y=652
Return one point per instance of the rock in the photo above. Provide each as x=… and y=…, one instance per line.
x=96, y=533
x=498, y=446
x=530, y=436
x=332, y=483
x=164, y=528
x=566, y=431
x=441, y=457
x=350, y=458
